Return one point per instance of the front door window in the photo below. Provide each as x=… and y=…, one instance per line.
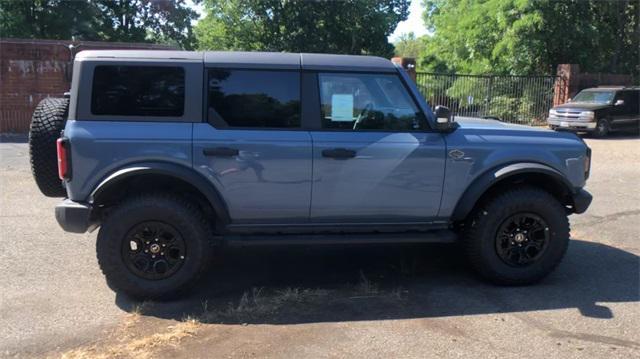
x=367, y=102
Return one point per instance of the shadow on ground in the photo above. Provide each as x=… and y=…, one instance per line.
x=616, y=135
x=338, y=283
x=14, y=138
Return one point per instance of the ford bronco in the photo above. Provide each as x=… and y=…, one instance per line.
x=174, y=154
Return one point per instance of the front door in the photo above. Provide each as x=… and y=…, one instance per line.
x=374, y=159
x=625, y=114
x=252, y=148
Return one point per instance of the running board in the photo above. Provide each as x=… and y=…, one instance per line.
x=436, y=236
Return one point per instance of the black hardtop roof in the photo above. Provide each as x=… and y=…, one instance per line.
x=275, y=60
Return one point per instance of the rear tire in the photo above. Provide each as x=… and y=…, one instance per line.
x=47, y=123
x=175, y=227
x=506, y=248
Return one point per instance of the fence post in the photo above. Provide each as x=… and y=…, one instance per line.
x=487, y=103
x=407, y=63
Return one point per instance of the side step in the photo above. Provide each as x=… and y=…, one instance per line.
x=436, y=236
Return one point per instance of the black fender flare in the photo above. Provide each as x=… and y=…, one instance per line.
x=176, y=171
x=485, y=181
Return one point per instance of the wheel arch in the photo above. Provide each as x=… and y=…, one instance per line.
x=149, y=176
x=494, y=180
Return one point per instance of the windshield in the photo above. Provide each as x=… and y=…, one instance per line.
x=594, y=96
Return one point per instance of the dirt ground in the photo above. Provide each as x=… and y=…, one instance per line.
x=376, y=302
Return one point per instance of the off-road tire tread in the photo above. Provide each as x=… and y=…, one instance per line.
x=47, y=122
x=505, y=203
x=110, y=261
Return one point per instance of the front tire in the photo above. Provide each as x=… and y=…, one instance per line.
x=154, y=246
x=517, y=237
x=602, y=128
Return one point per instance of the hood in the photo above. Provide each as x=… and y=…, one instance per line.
x=501, y=132
x=581, y=106
x=486, y=124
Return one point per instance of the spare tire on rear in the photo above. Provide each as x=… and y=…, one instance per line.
x=47, y=123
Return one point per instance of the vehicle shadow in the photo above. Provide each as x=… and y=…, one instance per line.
x=616, y=135
x=340, y=283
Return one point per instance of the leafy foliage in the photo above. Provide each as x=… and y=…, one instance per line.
x=46, y=19
x=408, y=45
x=167, y=21
x=344, y=27
x=527, y=36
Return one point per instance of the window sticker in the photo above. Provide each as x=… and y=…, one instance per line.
x=342, y=108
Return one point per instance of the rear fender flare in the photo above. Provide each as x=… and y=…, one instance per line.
x=171, y=170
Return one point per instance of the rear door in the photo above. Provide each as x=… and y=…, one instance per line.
x=252, y=147
x=632, y=107
x=374, y=158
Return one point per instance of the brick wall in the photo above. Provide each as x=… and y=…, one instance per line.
x=31, y=70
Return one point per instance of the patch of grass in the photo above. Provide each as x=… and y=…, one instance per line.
x=257, y=303
x=143, y=348
x=365, y=286
x=398, y=293
x=139, y=308
x=297, y=295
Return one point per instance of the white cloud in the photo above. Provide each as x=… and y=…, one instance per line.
x=413, y=24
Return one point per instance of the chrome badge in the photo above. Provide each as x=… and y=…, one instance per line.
x=457, y=154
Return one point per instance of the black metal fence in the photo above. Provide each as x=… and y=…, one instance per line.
x=517, y=99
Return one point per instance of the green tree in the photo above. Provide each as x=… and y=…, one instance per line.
x=47, y=19
x=346, y=27
x=527, y=36
x=408, y=45
x=109, y=20
x=166, y=21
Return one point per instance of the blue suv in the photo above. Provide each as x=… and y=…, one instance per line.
x=173, y=154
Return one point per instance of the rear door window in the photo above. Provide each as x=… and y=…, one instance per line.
x=254, y=98
x=631, y=101
x=138, y=91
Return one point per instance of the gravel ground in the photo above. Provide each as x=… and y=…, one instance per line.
x=382, y=301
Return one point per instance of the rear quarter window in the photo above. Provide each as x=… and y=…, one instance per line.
x=138, y=91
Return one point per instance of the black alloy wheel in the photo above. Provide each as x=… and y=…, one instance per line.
x=153, y=250
x=522, y=239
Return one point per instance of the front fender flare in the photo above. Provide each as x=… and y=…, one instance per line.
x=483, y=182
x=183, y=173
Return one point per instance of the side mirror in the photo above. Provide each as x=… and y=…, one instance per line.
x=444, y=122
x=619, y=103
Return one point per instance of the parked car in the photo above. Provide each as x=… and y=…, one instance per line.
x=175, y=154
x=599, y=110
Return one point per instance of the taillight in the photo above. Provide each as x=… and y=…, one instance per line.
x=587, y=163
x=62, y=148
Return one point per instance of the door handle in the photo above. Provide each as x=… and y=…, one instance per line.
x=339, y=153
x=221, y=151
